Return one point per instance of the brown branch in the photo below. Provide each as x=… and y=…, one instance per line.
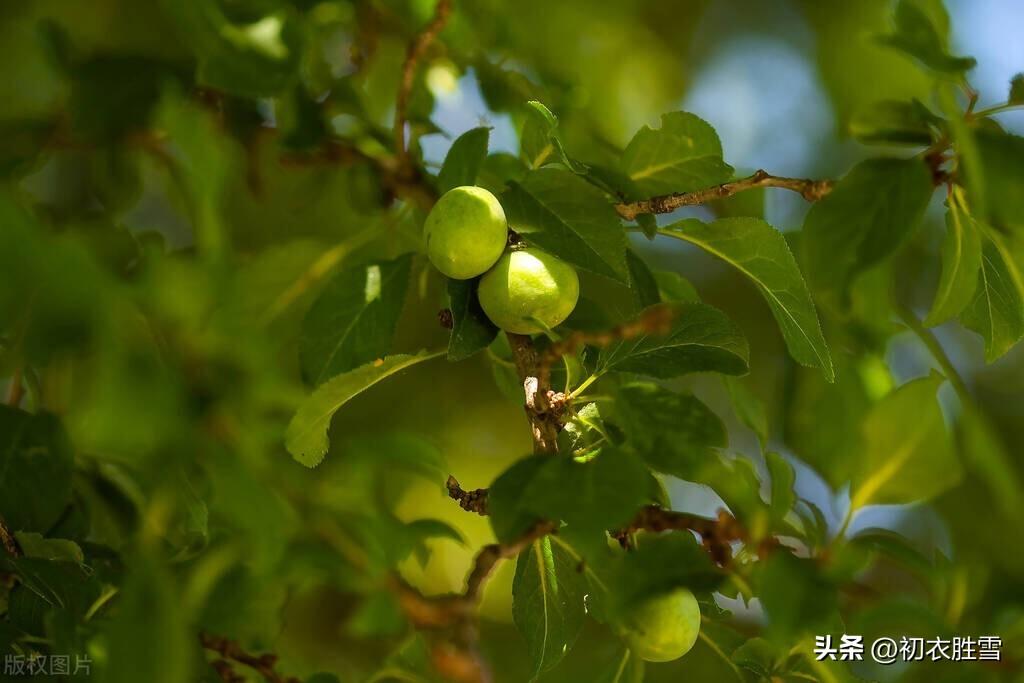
x=656, y=320
x=543, y=406
x=470, y=501
x=452, y=617
x=230, y=651
x=811, y=190
x=417, y=48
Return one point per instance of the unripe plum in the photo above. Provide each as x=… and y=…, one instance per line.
x=528, y=291
x=465, y=232
x=662, y=628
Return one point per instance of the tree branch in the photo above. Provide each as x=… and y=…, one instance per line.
x=417, y=48
x=543, y=406
x=7, y=540
x=470, y=501
x=231, y=651
x=811, y=190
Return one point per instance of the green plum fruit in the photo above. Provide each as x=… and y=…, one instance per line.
x=465, y=232
x=662, y=628
x=528, y=291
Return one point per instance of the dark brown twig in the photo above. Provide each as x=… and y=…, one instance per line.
x=811, y=190
x=417, y=48
x=470, y=501
x=543, y=407
x=230, y=651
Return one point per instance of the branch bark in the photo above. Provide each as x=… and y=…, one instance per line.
x=7, y=540
x=231, y=651
x=417, y=48
x=543, y=406
x=811, y=190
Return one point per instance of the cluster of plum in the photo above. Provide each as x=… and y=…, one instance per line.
x=523, y=290
x=527, y=291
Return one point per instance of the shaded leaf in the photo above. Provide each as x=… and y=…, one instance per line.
x=916, y=34
x=464, y=160
x=353, y=319
x=760, y=252
x=35, y=469
x=907, y=456
x=749, y=409
x=306, y=437
x=783, y=496
x=865, y=219
x=894, y=122
x=547, y=602
x=568, y=217
x=702, y=339
x=961, y=261
x=472, y=330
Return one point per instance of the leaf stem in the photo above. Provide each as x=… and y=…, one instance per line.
x=583, y=385
x=936, y=350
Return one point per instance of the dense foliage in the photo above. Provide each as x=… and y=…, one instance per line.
x=241, y=399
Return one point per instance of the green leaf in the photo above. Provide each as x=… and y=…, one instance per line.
x=509, y=514
x=568, y=217
x=547, y=602
x=353, y=319
x=760, y=252
x=35, y=457
x=660, y=563
x=797, y=599
x=916, y=35
x=961, y=261
x=894, y=122
x=681, y=156
x=306, y=437
x=464, y=160
x=642, y=283
x=996, y=311
x=702, y=339
x=984, y=454
x=871, y=212
x=999, y=174
x=749, y=409
x=150, y=638
x=541, y=143
x=1016, y=95
x=674, y=288
x=907, y=455
x=783, y=496
x=472, y=330
x=34, y=545
x=607, y=489
x=674, y=433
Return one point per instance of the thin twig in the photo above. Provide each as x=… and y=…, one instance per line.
x=231, y=651
x=811, y=190
x=935, y=348
x=7, y=540
x=417, y=48
x=543, y=406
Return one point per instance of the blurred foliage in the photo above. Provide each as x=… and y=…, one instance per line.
x=213, y=281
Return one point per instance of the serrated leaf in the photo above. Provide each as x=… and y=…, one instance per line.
x=683, y=155
x=702, y=339
x=607, y=489
x=472, y=330
x=871, y=212
x=674, y=288
x=509, y=514
x=961, y=261
x=568, y=217
x=353, y=319
x=547, y=602
x=997, y=171
x=34, y=545
x=541, y=143
x=996, y=311
x=760, y=252
x=306, y=436
x=908, y=455
x=674, y=433
x=464, y=160
x=35, y=456
x=916, y=35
